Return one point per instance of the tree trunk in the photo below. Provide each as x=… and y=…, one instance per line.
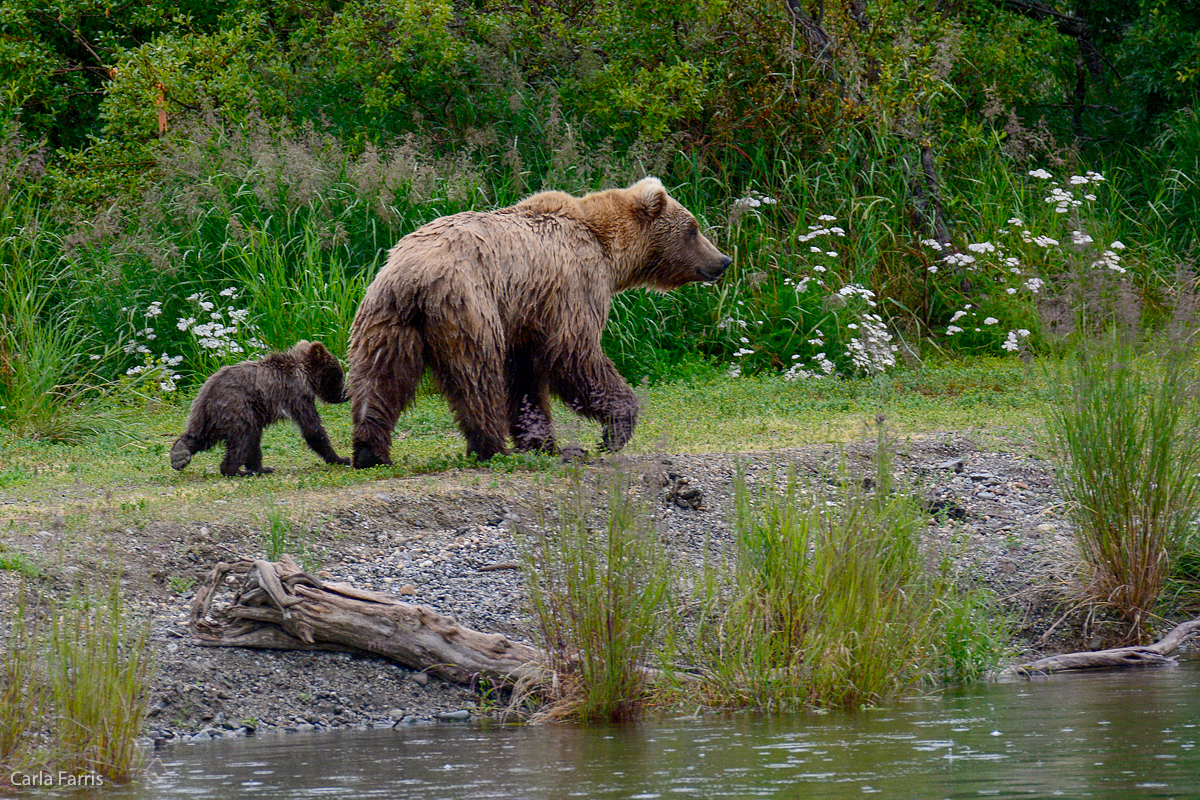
x=1157, y=654
x=279, y=606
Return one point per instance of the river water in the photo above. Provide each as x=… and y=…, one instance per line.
x=1129, y=734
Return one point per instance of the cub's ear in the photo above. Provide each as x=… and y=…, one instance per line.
x=313, y=353
x=650, y=196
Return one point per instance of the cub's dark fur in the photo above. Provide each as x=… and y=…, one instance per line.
x=239, y=401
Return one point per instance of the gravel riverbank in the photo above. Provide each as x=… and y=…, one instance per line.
x=451, y=541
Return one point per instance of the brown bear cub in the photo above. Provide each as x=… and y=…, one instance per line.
x=239, y=401
x=506, y=308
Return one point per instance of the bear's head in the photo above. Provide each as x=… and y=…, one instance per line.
x=323, y=371
x=656, y=242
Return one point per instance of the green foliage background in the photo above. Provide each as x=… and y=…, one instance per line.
x=154, y=155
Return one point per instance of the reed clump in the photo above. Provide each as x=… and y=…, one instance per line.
x=76, y=677
x=828, y=601
x=1125, y=434
x=823, y=596
x=598, y=585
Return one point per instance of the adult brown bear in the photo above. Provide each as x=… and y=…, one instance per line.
x=507, y=307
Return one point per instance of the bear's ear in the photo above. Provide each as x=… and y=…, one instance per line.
x=313, y=353
x=650, y=196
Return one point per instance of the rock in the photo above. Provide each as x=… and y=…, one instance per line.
x=683, y=494
x=462, y=715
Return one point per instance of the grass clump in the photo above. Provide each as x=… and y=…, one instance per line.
x=829, y=605
x=1126, y=438
x=597, y=589
x=75, y=683
x=281, y=535
x=826, y=598
x=830, y=602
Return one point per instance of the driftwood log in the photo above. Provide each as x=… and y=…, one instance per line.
x=1157, y=654
x=280, y=606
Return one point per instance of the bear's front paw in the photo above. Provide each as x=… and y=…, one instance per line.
x=345, y=462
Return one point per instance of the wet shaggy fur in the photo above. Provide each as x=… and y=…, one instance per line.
x=238, y=402
x=506, y=308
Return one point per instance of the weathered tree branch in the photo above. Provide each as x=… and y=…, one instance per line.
x=1157, y=654
x=926, y=191
x=819, y=46
x=279, y=606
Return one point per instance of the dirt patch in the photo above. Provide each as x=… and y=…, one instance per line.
x=449, y=541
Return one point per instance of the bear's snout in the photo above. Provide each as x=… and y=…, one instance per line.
x=712, y=273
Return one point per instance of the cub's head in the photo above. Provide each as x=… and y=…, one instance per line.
x=673, y=250
x=323, y=371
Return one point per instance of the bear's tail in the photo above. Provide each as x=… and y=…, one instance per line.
x=181, y=453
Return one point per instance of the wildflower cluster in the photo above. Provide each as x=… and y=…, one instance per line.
x=818, y=323
x=750, y=204
x=157, y=374
x=1019, y=262
x=754, y=199
x=738, y=325
x=218, y=334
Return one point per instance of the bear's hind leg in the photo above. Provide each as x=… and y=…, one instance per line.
x=182, y=451
x=383, y=381
x=472, y=379
x=529, y=418
x=189, y=445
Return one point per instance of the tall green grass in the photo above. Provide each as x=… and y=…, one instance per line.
x=49, y=355
x=825, y=597
x=24, y=698
x=76, y=679
x=299, y=287
x=1125, y=431
x=598, y=587
x=830, y=603
x=296, y=222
